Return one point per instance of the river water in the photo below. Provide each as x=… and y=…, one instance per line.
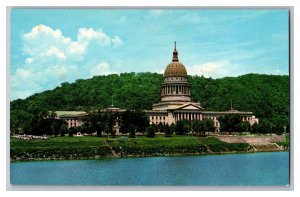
x=255, y=169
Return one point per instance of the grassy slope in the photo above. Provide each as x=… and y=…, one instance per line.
x=92, y=141
x=93, y=147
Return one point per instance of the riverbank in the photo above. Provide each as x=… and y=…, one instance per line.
x=90, y=147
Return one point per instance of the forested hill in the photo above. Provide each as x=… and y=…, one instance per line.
x=266, y=95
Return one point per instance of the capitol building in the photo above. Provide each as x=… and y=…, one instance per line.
x=175, y=103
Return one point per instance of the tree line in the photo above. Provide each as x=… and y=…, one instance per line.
x=132, y=122
x=267, y=96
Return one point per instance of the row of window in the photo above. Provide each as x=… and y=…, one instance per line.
x=176, y=79
x=158, y=123
x=157, y=117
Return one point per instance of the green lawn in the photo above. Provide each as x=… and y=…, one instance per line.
x=89, y=147
x=64, y=142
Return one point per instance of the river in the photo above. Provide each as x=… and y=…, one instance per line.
x=254, y=169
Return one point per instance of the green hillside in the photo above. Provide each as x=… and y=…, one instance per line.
x=266, y=95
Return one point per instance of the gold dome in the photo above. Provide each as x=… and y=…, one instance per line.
x=175, y=69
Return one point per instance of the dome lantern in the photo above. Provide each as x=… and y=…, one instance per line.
x=175, y=54
x=175, y=68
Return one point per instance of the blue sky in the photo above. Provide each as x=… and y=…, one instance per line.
x=52, y=46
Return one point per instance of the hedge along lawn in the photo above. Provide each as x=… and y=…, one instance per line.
x=59, y=142
x=94, y=141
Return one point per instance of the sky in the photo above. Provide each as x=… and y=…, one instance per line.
x=52, y=46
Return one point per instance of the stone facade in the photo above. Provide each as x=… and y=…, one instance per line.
x=73, y=118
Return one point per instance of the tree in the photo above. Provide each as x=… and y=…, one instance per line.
x=150, y=131
x=132, y=131
x=266, y=95
x=95, y=120
x=243, y=127
x=172, y=128
x=72, y=131
x=186, y=126
x=266, y=126
x=51, y=116
x=160, y=127
x=141, y=121
x=167, y=131
x=208, y=126
x=87, y=128
x=182, y=127
x=202, y=126
x=63, y=130
x=179, y=128
x=108, y=121
x=228, y=123
x=255, y=128
x=134, y=121
x=196, y=124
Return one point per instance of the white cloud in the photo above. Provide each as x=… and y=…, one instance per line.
x=117, y=41
x=24, y=80
x=86, y=35
x=22, y=73
x=42, y=29
x=101, y=69
x=29, y=60
x=52, y=58
x=276, y=72
x=54, y=51
x=76, y=48
x=213, y=69
x=161, y=71
x=61, y=71
x=43, y=40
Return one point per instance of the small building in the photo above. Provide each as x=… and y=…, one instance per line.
x=73, y=118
